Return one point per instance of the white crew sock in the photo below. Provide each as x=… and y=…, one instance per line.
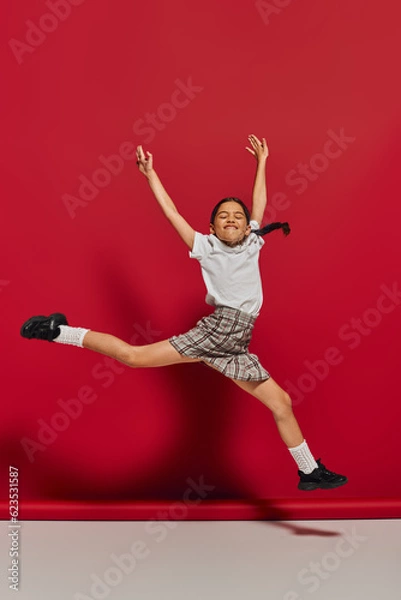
x=304, y=458
x=71, y=335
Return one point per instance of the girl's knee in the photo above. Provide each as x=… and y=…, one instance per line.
x=283, y=405
x=287, y=399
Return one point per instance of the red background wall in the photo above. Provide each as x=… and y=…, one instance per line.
x=299, y=75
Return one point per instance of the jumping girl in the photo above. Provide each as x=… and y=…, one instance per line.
x=229, y=258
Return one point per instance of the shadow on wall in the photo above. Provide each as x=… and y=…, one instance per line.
x=200, y=395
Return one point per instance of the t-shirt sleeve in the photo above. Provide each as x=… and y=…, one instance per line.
x=256, y=225
x=201, y=246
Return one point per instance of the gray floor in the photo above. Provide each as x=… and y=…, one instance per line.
x=205, y=560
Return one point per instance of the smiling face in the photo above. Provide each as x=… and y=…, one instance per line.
x=230, y=224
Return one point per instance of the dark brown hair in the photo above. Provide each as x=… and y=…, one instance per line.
x=263, y=231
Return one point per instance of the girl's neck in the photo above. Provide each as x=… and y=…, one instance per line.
x=232, y=244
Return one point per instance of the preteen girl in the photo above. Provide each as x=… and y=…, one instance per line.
x=228, y=257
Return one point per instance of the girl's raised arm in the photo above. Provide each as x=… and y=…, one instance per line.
x=184, y=230
x=259, y=194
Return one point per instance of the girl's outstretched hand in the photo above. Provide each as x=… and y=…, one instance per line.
x=260, y=150
x=145, y=165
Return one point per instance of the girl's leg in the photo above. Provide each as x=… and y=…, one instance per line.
x=279, y=402
x=312, y=474
x=159, y=354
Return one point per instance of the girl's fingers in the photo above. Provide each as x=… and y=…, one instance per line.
x=141, y=155
x=255, y=141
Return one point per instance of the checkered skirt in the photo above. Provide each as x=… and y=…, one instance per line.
x=221, y=340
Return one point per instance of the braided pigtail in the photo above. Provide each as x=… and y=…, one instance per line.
x=271, y=227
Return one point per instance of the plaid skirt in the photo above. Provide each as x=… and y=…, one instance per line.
x=221, y=340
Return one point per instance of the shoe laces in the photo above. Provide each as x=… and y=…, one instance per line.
x=324, y=471
x=322, y=468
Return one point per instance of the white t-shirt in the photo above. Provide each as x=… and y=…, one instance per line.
x=231, y=274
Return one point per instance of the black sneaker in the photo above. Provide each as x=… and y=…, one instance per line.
x=320, y=478
x=43, y=328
